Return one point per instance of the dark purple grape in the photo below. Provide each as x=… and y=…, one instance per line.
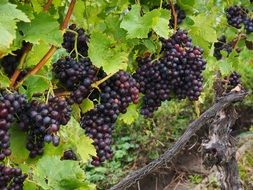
x=236, y=15
x=69, y=38
x=69, y=155
x=232, y=81
x=178, y=72
x=116, y=94
x=222, y=44
x=180, y=14
x=10, y=104
x=11, y=178
x=76, y=76
x=42, y=121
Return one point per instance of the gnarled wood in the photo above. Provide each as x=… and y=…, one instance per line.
x=220, y=150
x=221, y=104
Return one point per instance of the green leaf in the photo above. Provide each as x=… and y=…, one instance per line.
x=139, y=27
x=9, y=16
x=17, y=143
x=225, y=67
x=73, y=136
x=42, y=28
x=107, y=53
x=204, y=27
x=78, y=12
x=4, y=82
x=159, y=21
x=36, y=54
x=10, y=10
x=131, y=115
x=38, y=5
x=250, y=37
x=186, y=4
x=36, y=84
x=53, y=173
x=86, y=105
x=134, y=25
x=149, y=45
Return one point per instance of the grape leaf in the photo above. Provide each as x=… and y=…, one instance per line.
x=139, y=27
x=36, y=54
x=225, y=67
x=73, y=136
x=4, y=82
x=107, y=53
x=86, y=105
x=42, y=28
x=36, y=84
x=158, y=19
x=37, y=5
x=131, y=115
x=10, y=11
x=78, y=12
x=18, y=143
x=9, y=16
x=53, y=173
x=134, y=25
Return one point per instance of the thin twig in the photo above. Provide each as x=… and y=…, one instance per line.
x=41, y=63
x=27, y=50
x=20, y=66
x=174, y=15
x=236, y=40
x=97, y=83
x=47, y=5
x=52, y=49
x=68, y=15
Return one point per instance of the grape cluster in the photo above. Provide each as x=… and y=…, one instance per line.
x=11, y=178
x=178, y=72
x=236, y=15
x=98, y=124
x=42, y=121
x=116, y=94
x=10, y=104
x=69, y=38
x=180, y=14
x=222, y=45
x=121, y=88
x=69, y=155
x=248, y=24
x=154, y=84
x=76, y=76
x=233, y=80
x=10, y=62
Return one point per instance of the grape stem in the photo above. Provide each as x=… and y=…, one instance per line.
x=161, y=4
x=236, y=40
x=52, y=49
x=27, y=50
x=174, y=15
x=20, y=66
x=75, y=44
x=47, y=5
x=97, y=83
